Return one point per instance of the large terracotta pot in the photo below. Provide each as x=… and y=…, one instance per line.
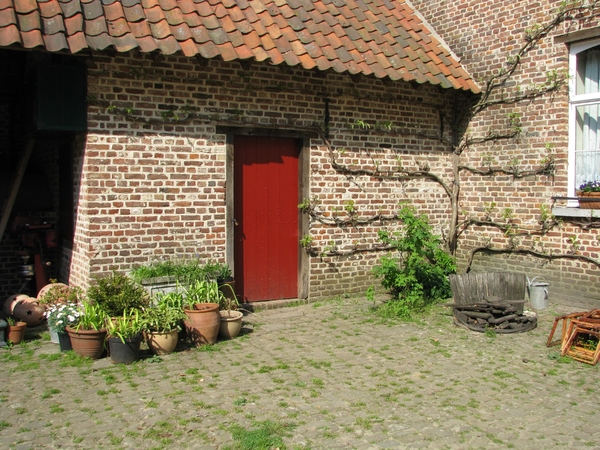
x=11, y=302
x=43, y=291
x=16, y=333
x=29, y=311
x=231, y=324
x=162, y=343
x=89, y=343
x=202, y=323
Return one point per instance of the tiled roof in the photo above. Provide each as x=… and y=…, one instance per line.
x=384, y=38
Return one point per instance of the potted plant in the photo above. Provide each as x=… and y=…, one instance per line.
x=59, y=318
x=201, y=307
x=59, y=294
x=117, y=294
x=15, y=331
x=230, y=318
x=125, y=336
x=88, y=334
x=162, y=322
x=166, y=276
x=224, y=276
x=55, y=294
x=589, y=189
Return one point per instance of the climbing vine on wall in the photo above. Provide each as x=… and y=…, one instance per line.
x=495, y=93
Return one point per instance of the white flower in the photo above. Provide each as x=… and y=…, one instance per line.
x=71, y=318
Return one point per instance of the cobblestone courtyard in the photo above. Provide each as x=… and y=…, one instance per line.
x=319, y=376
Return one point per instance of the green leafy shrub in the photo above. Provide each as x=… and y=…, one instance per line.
x=418, y=277
x=117, y=294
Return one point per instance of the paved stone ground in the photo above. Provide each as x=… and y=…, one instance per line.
x=321, y=376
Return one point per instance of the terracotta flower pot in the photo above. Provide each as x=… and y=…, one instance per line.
x=202, y=323
x=16, y=333
x=11, y=302
x=162, y=343
x=231, y=324
x=89, y=343
x=29, y=311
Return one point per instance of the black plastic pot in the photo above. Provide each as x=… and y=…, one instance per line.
x=124, y=352
x=64, y=340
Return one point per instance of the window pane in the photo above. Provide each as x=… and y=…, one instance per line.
x=587, y=150
x=587, y=164
x=588, y=71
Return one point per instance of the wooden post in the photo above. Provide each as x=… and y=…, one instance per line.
x=10, y=201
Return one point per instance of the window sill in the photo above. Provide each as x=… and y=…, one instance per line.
x=564, y=211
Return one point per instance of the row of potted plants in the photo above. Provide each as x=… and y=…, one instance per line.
x=120, y=309
x=196, y=309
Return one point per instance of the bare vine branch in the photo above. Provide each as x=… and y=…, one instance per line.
x=524, y=251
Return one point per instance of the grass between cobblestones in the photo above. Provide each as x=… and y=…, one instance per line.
x=319, y=376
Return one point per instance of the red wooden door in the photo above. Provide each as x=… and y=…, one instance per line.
x=266, y=213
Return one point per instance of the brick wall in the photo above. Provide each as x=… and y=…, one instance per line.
x=482, y=33
x=154, y=184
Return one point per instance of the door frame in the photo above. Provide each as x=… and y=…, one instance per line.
x=303, y=191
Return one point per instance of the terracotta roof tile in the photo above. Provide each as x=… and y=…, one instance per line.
x=275, y=56
x=55, y=42
x=25, y=6
x=50, y=8
x=200, y=35
x=306, y=61
x=236, y=38
x=140, y=29
x=189, y=47
x=8, y=17
x=134, y=13
x=383, y=38
x=323, y=63
x=70, y=8
x=124, y=43
x=118, y=28
x=313, y=50
x=31, y=21
x=204, y=9
x=168, y=45
x=193, y=20
x=168, y=5
x=147, y=44
x=74, y=25
x=32, y=39
x=93, y=9
x=181, y=32
x=10, y=35
x=259, y=54
x=96, y=27
x=77, y=42
x=243, y=52
x=53, y=26
x=186, y=6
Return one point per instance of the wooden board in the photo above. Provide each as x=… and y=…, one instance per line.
x=474, y=287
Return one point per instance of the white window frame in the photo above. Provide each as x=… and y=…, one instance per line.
x=575, y=101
